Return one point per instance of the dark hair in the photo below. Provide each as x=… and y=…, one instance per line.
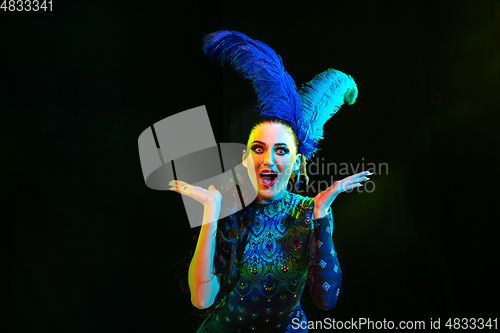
x=275, y=120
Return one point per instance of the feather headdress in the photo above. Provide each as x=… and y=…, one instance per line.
x=306, y=110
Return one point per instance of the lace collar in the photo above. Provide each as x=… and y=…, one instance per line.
x=274, y=207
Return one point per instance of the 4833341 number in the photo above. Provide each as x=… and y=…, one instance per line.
x=471, y=323
x=26, y=5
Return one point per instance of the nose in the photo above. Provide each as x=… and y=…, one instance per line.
x=269, y=159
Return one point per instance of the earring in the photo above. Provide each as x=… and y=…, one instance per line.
x=298, y=178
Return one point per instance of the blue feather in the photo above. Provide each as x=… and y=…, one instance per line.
x=322, y=97
x=275, y=88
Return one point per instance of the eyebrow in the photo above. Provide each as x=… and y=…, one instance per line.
x=277, y=144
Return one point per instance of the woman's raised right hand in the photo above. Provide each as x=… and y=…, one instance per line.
x=207, y=197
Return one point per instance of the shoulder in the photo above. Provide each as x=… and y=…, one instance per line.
x=301, y=201
x=301, y=207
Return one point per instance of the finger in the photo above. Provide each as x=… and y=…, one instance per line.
x=179, y=182
x=174, y=186
x=182, y=186
x=359, y=177
x=179, y=187
x=353, y=186
x=185, y=190
x=347, y=186
x=362, y=175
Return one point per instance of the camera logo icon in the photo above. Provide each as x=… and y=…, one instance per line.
x=185, y=149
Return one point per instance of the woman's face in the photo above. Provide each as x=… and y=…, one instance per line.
x=273, y=158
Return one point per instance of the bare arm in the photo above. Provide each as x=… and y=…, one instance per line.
x=203, y=282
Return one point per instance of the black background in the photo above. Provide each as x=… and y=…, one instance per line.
x=92, y=249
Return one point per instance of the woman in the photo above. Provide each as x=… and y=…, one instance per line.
x=250, y=268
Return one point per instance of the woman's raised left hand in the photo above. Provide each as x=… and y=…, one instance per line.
x=324, y=199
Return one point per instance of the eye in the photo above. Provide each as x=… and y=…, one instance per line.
x=257, y=149
x=282, y=150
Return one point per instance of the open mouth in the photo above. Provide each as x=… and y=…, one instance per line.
x=268, y=178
